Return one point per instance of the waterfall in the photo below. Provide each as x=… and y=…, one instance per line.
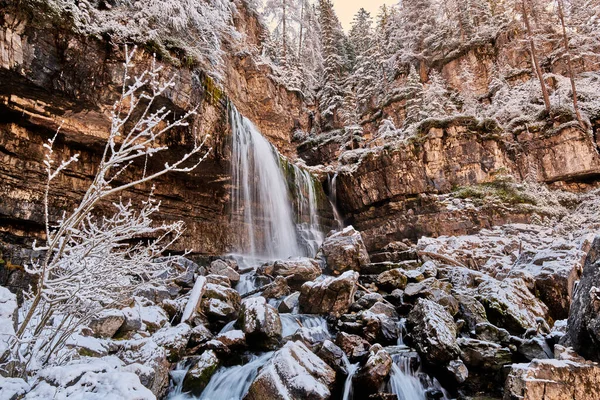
x=261, y=197
x=351, y=368
x=408, y=384
x=332, y=197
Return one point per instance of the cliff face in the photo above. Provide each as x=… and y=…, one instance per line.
x=391, y=193
x=51, y=77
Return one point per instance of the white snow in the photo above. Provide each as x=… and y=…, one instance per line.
x=8, y=308
x=195, y=298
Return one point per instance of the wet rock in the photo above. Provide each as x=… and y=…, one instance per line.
x=329, y=296
x=354, y=346
x=478, y=354
x=311, y=336
x=107, y=323
x=334, y=356
x=392, y=279
x=553, y=380
x=345, y=251
x=199, y=374
x=222, y=268
x=584, y=317
x=433, y=332
x=293, y=373
x=289, y=303
x=470, y=310
x=278, y=288
x=491, y=333
x=458, y=370
x=297, y=271
x=234, y=340
x=430, y=288
x=199, y=335
x=371, y=377
x=366, y=301
x=261, y=323
x=381, y=324
x=510, y=305
x=535, y=348
x=220, y=280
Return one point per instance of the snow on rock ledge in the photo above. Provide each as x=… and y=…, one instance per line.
x=8, y=317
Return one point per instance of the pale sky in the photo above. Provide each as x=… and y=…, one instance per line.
x=345, y=9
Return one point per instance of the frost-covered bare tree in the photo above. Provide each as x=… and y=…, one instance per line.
x=93, y=262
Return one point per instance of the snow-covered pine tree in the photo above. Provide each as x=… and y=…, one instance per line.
x=436, y=98
x=284, y=15
x=365, y=74
x=331, y=94
x=414, y=102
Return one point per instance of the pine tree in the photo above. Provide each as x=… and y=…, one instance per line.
x=414, y=103
x=285, y=15
x=436, y=98
x=365, y=74
x=334, y=61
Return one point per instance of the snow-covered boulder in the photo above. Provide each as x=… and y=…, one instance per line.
x=277, y=289
x=294, y=373
x=148, y=353
x=261, y=323
x=235, y=339
x=345, y=250
x=296, y=270
x=220, y=303
x=433, y=332
x=330, y=295
x=174, y=339
x=8, y=317
x=89, y=379
x=200, y=372
x=289, y=303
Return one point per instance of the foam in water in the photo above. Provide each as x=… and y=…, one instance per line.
x=290, y=323
x=261, y=197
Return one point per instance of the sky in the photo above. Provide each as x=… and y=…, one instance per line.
x=345, y=9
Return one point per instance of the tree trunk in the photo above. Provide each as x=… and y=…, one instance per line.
x=536, y=64
x=561, y=15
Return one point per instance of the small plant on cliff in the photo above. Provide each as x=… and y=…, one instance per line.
x=92, y=263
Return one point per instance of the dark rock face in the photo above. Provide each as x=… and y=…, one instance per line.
x=584, y=319
x=200, y=373
x=371, y=377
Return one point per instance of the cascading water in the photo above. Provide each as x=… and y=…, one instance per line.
x=331, y=183
x=351, y=368
x=407, y=383
x=261, y=197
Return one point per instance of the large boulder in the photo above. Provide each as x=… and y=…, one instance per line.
x=354, y=346
x=261, y=323
x=329, y=296
x=481, y=355
x=200, y=372
x=296, y=270
x=470, y=310
x=345, y=250
x=220, y=303
x=393, y=279
x=510, y=305
x=584, y=319
x=222, y=268
x=293, y=373
x=553, y=380
x=433, y=332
